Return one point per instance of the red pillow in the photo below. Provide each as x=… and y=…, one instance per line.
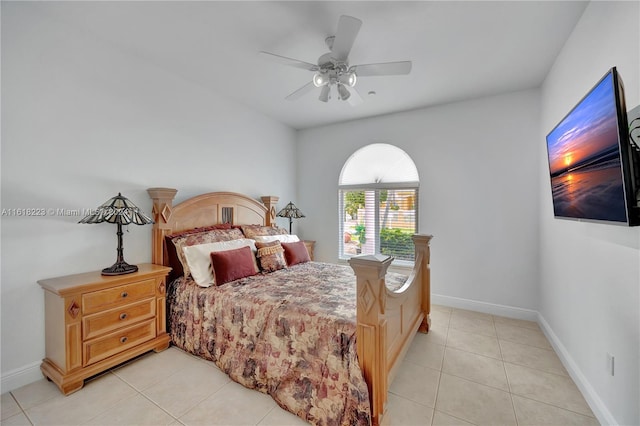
x=230, y=265
x=295, y=253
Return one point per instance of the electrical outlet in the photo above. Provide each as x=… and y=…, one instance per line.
x=611, y=364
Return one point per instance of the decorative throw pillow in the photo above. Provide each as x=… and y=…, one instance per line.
x=295, y=253
x=251, y=231
x=199, y=258
x=233, y=264
x=270, y=256
x=199, y=230
x=209, y=236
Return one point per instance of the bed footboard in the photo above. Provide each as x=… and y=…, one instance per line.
x=388, y=320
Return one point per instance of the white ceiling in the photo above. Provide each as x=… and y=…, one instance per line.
x=459, y=49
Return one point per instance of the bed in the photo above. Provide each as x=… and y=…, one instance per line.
x=323, y=348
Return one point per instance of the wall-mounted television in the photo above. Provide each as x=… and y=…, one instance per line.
x=594, y=170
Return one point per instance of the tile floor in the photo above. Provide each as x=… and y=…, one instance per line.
x=472, y=368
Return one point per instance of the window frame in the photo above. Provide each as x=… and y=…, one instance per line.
x=377, y=188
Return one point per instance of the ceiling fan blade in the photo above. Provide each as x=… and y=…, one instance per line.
x=348, y=28
x=301, y=91
x=289, y=61
x=355, y=99
x=386, y=68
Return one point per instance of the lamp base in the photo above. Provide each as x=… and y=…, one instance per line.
x=119, y=268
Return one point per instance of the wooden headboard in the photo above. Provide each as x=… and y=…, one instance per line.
x=203, y=210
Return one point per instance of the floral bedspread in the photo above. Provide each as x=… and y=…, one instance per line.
x=288, y=333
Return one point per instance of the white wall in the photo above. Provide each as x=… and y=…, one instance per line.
x=82, y=121
x=478, y=163
x=590, y=273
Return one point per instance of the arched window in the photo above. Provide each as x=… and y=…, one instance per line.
x=378, y=197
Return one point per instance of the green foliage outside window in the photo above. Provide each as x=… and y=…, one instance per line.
x=360, y=234
x=397, y=243
x=353, y=200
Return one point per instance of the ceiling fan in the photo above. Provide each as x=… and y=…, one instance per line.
x=333, y=69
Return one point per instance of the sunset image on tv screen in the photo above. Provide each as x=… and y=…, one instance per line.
x=584, y=159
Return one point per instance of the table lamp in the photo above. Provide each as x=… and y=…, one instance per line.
x=121, y=211
x=292, y=212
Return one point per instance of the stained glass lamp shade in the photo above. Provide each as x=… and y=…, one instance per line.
x=121, y=211
x=292, y=212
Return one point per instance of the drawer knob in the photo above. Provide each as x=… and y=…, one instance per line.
x=123, y=315
x=123, y=339
x=124, y=294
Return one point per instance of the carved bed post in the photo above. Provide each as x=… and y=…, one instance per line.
x=372, y=328
x=270, y=202
x=423, y=255
x=162, y=205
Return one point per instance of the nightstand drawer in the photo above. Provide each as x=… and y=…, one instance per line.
x=98, y=301
x=118, y=341
x=122, y=316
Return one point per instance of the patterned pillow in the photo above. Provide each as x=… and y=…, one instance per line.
x=251, y=231
x=200, y=230
x=233, y=264
x=209, y=236
x=270, y=256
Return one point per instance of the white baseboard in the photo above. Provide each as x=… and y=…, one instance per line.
x=20, y=376
x=596, y=404
x=487, y=308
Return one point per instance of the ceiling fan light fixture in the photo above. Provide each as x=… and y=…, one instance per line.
x=352, y=79
x=332, y=68
x=349, y=78
x=324, y=94
x=343, y=92
x=320, y=79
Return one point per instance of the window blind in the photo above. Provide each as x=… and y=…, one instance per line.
x=378, y=221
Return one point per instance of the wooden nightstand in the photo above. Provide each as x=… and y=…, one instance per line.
x=94, y=322
x=310, y=245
